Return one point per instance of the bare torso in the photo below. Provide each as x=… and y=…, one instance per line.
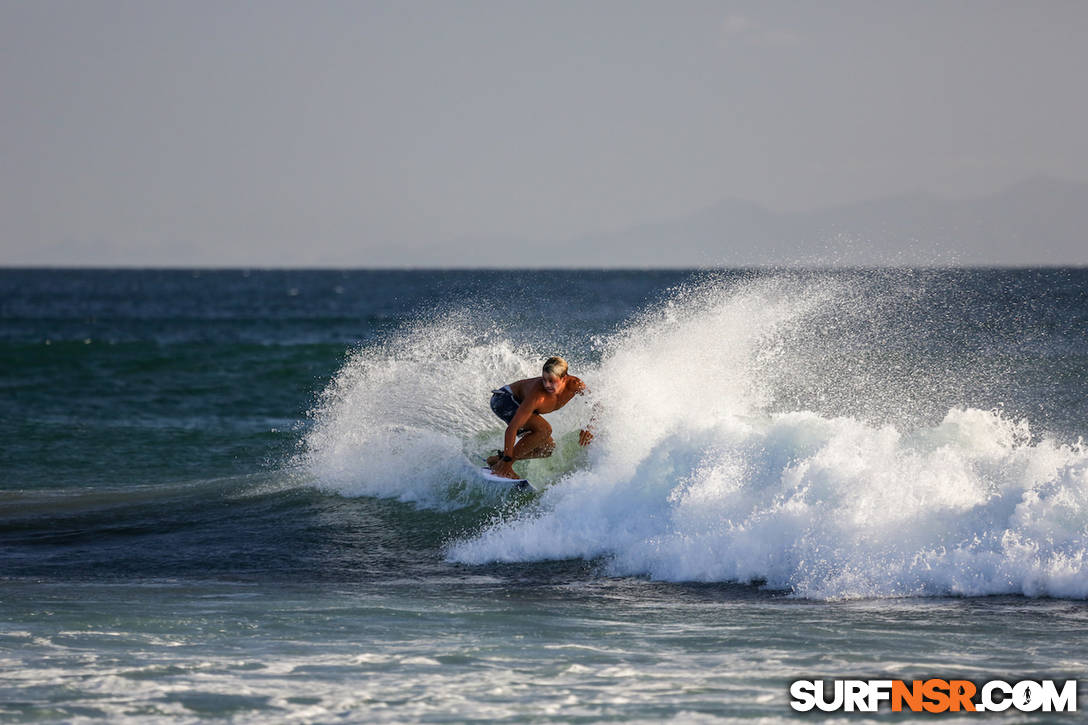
x=532, y=389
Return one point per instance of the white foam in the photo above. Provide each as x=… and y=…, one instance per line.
x=693, y=479
x=700, y=470
x=828, y=508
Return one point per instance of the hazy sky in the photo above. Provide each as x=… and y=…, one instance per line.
x=358, y=133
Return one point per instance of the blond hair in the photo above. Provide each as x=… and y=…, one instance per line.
x=557, y=366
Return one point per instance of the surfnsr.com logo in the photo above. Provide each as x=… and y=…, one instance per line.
x=934, y=695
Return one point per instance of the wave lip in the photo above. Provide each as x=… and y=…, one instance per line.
x=811, y=434
x=705, y=472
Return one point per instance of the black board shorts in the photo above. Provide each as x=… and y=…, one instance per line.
x=505, y=405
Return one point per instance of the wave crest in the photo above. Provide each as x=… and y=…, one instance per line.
x=784, y=430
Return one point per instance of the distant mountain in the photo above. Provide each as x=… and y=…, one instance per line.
x=1040, y=221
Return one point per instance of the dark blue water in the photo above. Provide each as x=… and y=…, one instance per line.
x=244, y=493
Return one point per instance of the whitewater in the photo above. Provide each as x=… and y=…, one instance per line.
x=835, y=437
x=247, y=495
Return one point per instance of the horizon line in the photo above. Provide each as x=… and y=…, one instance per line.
x=645, y=268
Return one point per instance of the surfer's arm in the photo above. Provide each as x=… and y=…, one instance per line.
x=586, y=434
x=525, y=411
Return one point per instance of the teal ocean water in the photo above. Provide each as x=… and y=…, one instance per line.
x=248, y=496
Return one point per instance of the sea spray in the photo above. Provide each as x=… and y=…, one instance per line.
x=813, y=433
x=698, y=477
x=408, y=417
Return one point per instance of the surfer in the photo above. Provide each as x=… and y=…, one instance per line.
x=522, y=406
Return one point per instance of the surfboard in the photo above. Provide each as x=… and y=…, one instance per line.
x=519, y=484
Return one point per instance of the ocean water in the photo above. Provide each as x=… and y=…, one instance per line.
x=247, y=495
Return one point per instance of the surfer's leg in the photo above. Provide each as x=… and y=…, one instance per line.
x=537, y=443
x=543, y=451
x=539, y=452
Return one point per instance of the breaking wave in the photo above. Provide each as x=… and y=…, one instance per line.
x=810, y=434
